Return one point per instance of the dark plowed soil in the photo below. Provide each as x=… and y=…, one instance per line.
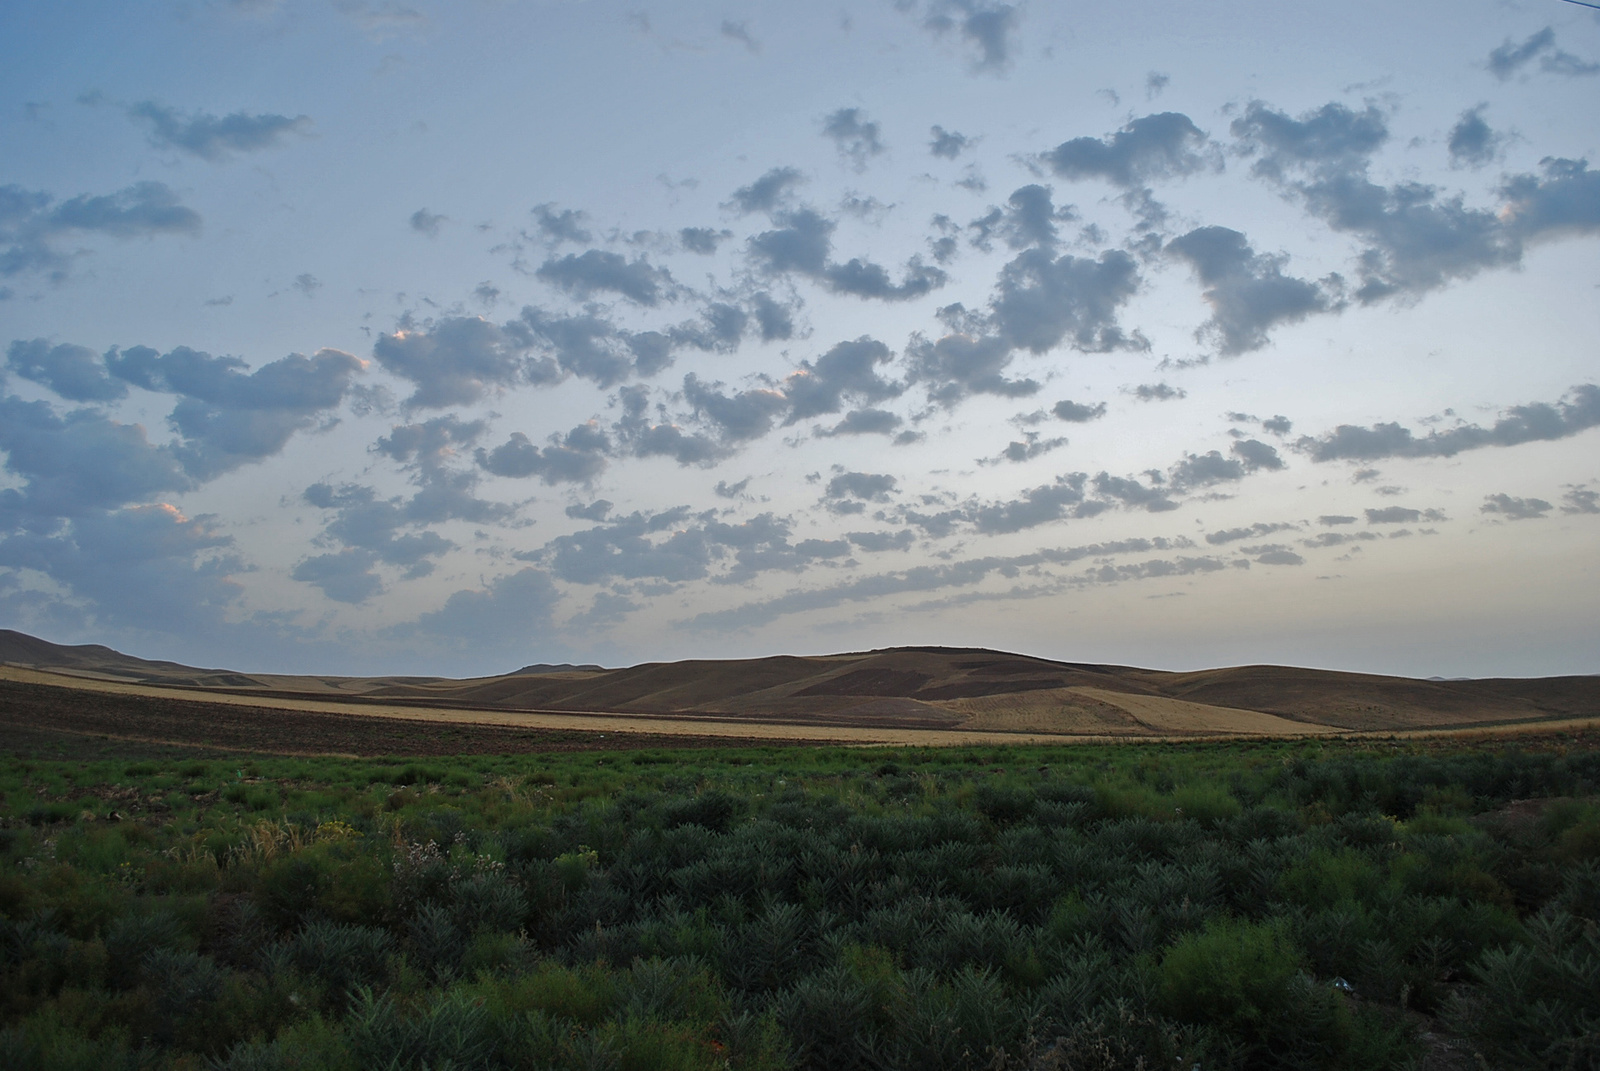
x=38, y=717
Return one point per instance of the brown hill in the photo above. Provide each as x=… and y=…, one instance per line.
x=934, y=687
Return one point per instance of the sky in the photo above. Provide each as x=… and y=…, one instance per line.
x=389, y=336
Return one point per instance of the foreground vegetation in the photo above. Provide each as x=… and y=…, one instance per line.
x=1296, y=905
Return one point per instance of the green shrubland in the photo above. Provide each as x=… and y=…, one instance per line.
x=1242, y=906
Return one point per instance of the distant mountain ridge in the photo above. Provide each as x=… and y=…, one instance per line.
x=934, y=687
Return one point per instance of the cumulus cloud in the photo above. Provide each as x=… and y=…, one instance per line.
x=79, y=462
x=702, y=240
x=1031, y=446
x=1402, y=515
x=1537, y=422
x=768, y=193
x=1203, y=470
x=1515, y=509
x=213, y=137
x=557, y=225
x=510, y=612
x=947, y=144
x=1247, y=291
x=1513, y=56
x=1147, y=149
x=1077, y=412
x=75, y=373
x=849, y=492
x=458, y=360
x=802, y=244
x=1029, y=218
x=32, y=224
x=849, y=370
x=425, y=222
x=144, y=567
x=985, y=27
x=740, y=32
x=1158, y=392
x=1472, y=143
x=739, y=416
x=648, y=437
x=1580, y=499
x=576, y=457
x=1254, y=531
x=597, y=270
x=857, y=138
x=344, y=576
x=864, y=422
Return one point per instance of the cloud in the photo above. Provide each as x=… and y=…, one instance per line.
x=1537, y=422
x=80, y=462
x=738, y=417
x=1132, y=493
x=425, y=222
x=878, y=542
x=1273, y=554
x=75, y=373
x=702, y=240
x=985, y=27
x=1331, y=138
x=849, y=492
x=864, y=422
x=1077, y=413
x=1580, y=499
x=1204, y=470
x=1515, y=509
x=802, y=243
x=1513, y=56
x=1030, y=447
x=1157, y=392
x=767, y=193
x=565, y=225
x=1402, y=515
x=648, y=438
x=144, y=567
x=1147, y=149
x=1330, y=519
x=1564, y=201
x=847, y=370
x=599, y=270
x=576, y=457
x=228, y=417
x=30, y=227
x=740, y=32
x=211, y=137
x=510, y=612
x=306, y=283
x=458, y=360
x=1472, y=143
x=948, y=144
x=1254, y=531
x=1037, y=505
x=1247, y=291
x=857, y=138
x=1029, y=219
x=344, y=576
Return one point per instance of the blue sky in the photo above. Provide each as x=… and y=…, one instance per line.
x=405, y=337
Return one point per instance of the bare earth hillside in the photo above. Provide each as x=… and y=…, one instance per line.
x=922, y=693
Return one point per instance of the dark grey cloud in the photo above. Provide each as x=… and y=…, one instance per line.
x=561, y=225
x=1031, y=446
x=724, y=489
x=947, y=144
x=459, y=360
x=1331, y=137
x=425, y=222
x=593, y=511
x=79, y=462
x=1133, y=493
x=1077, y=412
x=857, y=138
x=1331, y=519
x=576, y=457
x=768, y=193
x=1538, y=422
x=144, y=567
x=1044, y=504
x=212, y=137
x=1194, y=471
x=1563, y=201
x=702, y=240
x=597, y=270
x=1580, y=499
x=1472, y=143
x=878, y=542
x=1254, y=531
x=343, y=576
x=865, y=422
x=648, y=437
x=739, y=416
x=1402, y=515
x=985, y=27
x=1515, y=509
x=1513, y=56
x=849, y=492
x=775, y=320
x=1157, y=392
x=1029, y=218
x=227, y=416
x=1148, y=149
x=75, y=373
x=802, y=243
x=1155, y=83
x=849, y=370
x=30, y=229
x=1247, y=291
